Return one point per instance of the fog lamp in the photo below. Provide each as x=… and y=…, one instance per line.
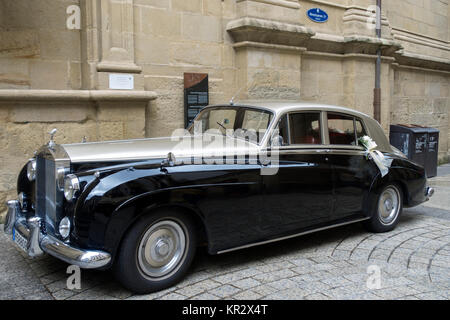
x=64, y=227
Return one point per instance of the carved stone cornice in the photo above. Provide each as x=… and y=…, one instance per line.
x=369, y=45
x=253, y=30
x=75, y=95
x=268, y=31
x=422, y=61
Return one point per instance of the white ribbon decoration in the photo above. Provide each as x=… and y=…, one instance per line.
x=380, y=160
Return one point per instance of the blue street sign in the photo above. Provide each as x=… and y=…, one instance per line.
x=317, y=15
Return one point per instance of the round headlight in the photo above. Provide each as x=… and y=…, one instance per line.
x=71, y=185
x=31, y=170
x=64, y=227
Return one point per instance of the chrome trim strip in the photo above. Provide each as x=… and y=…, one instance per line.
x=321, y=149
x=57, y=153
x=288, y=119
x=324, y=128
x=321, y=146
x=291, y=236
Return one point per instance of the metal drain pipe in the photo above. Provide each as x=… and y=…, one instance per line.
x=377, y=90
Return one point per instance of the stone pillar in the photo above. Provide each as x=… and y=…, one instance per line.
x=108, y=45
x=359, y=19
x=268, y=41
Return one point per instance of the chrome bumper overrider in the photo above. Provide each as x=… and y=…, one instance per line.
x=35, y=243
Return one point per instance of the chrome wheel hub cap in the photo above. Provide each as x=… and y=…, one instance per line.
x=161, y=249
x=389, y=205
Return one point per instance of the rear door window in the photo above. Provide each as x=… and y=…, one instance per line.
x=341, y=129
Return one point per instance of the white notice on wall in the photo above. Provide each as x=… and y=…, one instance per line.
x=121, y=81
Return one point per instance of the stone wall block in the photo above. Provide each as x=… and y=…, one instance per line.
x=441, y=106
x=272, y=11
x=111, y=130
x=53, y=112
x=117, y=111
x=161, y=23
x=201, y=28
x=19, y=43
x=213, y=7
x=187, y=6
x=22, y=140
x=49, y=74
x=164, y=4
x=185, y=53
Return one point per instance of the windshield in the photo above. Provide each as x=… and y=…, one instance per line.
x=239, y=122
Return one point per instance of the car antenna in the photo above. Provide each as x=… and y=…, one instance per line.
x=239, y=91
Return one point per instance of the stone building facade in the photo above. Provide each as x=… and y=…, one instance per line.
x=54, y=71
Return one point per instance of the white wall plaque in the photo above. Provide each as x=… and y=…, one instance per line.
x=121, y=81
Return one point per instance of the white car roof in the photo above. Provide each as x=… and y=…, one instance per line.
x=280, y=107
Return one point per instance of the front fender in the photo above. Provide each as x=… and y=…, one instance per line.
x=130, y=211
x=98, y=203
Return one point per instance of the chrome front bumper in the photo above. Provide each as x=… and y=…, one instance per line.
x=27, y=235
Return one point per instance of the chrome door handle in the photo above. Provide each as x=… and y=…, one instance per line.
x=323, y=151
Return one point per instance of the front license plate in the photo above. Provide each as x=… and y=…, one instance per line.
x=19, y=240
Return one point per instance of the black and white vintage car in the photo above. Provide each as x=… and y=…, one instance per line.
x=243, y=175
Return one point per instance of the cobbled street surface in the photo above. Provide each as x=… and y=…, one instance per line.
x=414, y=261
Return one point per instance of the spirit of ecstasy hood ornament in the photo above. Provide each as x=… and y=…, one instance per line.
x=52, y=133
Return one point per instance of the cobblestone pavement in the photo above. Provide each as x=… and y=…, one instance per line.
x=414, y=261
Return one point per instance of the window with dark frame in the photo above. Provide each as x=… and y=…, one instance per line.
x=344, y=129
x=360, y=131
x=283, y=132
x=305, y=128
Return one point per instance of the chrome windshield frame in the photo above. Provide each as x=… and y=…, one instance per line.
x=264, y=110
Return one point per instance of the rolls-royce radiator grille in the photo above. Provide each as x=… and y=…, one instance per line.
x=46, y=192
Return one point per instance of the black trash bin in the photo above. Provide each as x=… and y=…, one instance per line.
x=419, y=144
